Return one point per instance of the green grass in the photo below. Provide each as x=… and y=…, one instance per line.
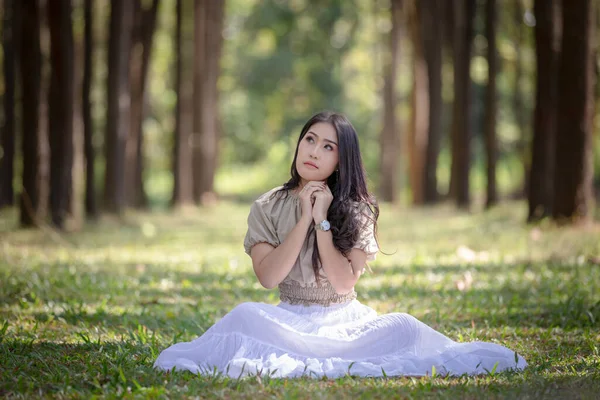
x=85, y=314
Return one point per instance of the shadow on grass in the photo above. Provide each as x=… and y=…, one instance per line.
x=107, y=367
x=51, y=367
x=205, y=296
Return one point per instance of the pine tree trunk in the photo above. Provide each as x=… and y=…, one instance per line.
x=547, y=38
x=418, y=135
x=518, y=106
x=91, y=209
x=573, y=176
x=490, y=104
x=390, y=137
x=182, y=155
x=30, y=77
x=209, y=25
x=464, y=12
x=10, y=43
x=199, y=72
x=118, y=107
x=432, y=33
x=60, y=110
x=144, y=27
x=43, y=123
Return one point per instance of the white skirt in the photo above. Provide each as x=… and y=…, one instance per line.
x=295, y=340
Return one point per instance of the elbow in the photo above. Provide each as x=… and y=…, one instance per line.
x=266, y=280
x=344, y=287
x=267, y=283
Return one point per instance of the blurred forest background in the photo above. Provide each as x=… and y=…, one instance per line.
x=111, y=105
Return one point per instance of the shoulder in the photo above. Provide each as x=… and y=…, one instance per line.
x=270, y=196
x=273, y=201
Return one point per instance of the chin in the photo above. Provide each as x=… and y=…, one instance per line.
x=308, y=175
x=313, y=177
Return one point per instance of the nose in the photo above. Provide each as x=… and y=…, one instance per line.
x=313, y=152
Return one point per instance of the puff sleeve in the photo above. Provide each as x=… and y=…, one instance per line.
x=366, y=240
x=260, y=228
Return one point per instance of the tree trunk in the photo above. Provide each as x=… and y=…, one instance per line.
x=464, y=12
x=418, y=135
x=573, y=176
x=208, y=42
x=60, y=109
x=447, y=24
x=490, y=104
x=182, y=155
x=547, y=38
x=144, y=27
x=390, y=137
x=30, y=75
x=118, y=107
x=10, y=43
x=91, y=209
x=199, y=72
x=518, y=106
x=76, y=208
x=432, y=34
x=43, y=123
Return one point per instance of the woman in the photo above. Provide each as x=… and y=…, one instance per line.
x=312, y=238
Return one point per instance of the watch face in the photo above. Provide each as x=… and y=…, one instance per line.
x=325, y=225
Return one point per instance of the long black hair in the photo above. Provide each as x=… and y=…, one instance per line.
x=353, y=207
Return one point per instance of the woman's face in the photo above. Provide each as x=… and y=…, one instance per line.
x=317, y=153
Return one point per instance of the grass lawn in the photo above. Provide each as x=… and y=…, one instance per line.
x=85, y=314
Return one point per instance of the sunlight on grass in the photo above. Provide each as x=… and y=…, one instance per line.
x=98, y=305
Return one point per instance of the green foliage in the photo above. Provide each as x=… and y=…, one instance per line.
x=86, y=314
x=282, y=61
x=281, y=64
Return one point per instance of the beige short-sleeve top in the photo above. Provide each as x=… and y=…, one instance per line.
x=272, y=217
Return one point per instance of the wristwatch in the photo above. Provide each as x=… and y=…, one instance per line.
x=323, y=226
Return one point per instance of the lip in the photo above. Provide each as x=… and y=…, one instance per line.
x=309, y=164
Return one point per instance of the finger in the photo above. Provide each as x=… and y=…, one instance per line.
x=311, y=190
x=314, y=184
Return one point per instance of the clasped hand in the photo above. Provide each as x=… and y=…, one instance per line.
x=316, y=197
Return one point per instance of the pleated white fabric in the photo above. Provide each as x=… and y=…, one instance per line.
x=350, y=338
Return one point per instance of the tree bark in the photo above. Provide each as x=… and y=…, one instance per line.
x=390, y=137
x=464, y=12
x=490, y=104
x=30, y=76
x=420, y=115
x=144, y=27
x=91, y=209
x=432, y=32
x=182, y=155
x=547, y=42
x=518, y=106
x=60, y=110
x=447, y=24
x=208, y=42
x=199, y=72
x=573, y=176
x=10, y=43
x=118, y=107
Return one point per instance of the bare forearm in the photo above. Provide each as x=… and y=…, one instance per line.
x=278, y=263
x=337, y=267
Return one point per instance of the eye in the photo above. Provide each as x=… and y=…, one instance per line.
x=329, y=147
x=310, y=139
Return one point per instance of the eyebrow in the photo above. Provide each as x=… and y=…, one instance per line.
x=327, y=140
